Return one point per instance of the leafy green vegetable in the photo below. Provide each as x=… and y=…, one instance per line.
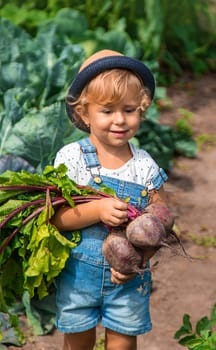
x=32, y=250
x=164, y=142
x=203, y=337
x=11, y=332
x=34, y=76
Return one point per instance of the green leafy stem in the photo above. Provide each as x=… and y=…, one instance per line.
x=55, y=201
x=32, y=250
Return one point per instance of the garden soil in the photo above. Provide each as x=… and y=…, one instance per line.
x=180, y=285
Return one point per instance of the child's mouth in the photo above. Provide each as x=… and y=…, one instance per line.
x=119, y=132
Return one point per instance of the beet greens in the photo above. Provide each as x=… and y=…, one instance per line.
x=32, y=250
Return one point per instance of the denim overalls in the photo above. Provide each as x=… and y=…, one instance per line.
x=85, y=293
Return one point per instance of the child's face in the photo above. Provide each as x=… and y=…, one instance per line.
x=114, y=124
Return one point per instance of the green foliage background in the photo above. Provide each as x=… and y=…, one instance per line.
x=43, y=43
x=200, y=337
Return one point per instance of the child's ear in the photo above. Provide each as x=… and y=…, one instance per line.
x=85, y=118
x=82, y=113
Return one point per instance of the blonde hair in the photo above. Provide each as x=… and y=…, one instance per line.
x=110, y=87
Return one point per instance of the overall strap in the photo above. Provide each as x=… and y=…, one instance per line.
x=89, y=153
x=90, y=156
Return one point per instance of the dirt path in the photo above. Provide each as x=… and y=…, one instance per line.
x=180, y=285
x=183, y=286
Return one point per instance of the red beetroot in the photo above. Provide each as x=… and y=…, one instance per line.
x=146, y=231
x=121, y=254
x=163, y=213
x=150, y=231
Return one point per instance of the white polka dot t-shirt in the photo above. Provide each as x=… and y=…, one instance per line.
x=141, y=168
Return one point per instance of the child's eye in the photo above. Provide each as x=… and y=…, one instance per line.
x=106, y=111
x=130, y=110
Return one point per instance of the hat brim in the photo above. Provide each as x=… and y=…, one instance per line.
x=101, y=65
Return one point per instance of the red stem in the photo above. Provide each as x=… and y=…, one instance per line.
x=134, y=212
x=18, y=210
x=26, y=220
x=27, y=188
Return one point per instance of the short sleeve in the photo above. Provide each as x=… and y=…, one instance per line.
x=148, y=171
x=157, y=180
x=69, y=155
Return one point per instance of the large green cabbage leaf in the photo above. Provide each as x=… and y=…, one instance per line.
x=34, y=77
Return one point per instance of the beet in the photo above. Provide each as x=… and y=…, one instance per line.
x=128, y=251
x=146, y=231
x=121, y=254
x=163, y=213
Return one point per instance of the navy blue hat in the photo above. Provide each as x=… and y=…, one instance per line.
x=98, y=63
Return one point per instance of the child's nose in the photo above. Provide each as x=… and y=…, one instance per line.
x=119, y=117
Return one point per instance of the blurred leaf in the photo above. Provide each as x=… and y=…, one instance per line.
x=9, y=325
x=37, y=136
x=202, y=324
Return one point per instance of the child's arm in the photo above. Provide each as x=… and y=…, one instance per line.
x=110, y=211
x=158, y=196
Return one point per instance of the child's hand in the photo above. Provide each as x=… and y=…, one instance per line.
x=119, y=278
x=112, y=211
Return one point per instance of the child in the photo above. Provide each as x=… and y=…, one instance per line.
x=107, y=99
